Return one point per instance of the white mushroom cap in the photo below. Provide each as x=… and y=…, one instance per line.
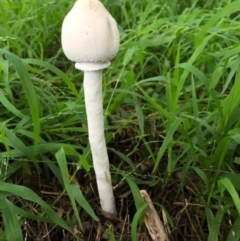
x=90, y=35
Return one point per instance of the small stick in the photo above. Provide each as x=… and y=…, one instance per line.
x=152, y=221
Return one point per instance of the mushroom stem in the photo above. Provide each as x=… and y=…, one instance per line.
x=93, y=101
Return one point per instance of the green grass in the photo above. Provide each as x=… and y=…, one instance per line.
x=171, y=100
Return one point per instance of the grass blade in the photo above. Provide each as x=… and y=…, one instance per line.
x=167, y=140
x=62, y=162
x=135, y=192
x=56, y=71
x=11, y=222
x=234, y=234
x=138, y=215
x=82, y=201
x=214, y=224
x=28, y=89
x=29, y=195
x=232, y=191
x=9, y=105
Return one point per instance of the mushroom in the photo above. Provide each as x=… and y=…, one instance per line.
x=90, y=37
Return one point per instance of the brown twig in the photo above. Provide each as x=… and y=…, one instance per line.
x=152, y=221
